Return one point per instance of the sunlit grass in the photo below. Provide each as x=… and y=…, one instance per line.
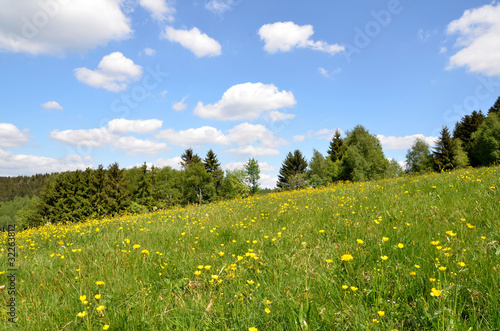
x=410, y=253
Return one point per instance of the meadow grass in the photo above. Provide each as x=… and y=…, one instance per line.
x=413, y=253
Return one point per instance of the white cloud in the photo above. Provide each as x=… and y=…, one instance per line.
x=323, y=134
x=263, y=166
x=246, y=133
x=195, y=41
x=11, y=136
x=135, y=146
x=20, y=164
x=254, y=151
x=114, y=72
x=323, y=72
x=479, y=39
x=55, y=27
x=90, y=138
x=299, y=138
x=276, y=116
x=122, y=125
x=52, y=105
x=219, y=6
x=268, y=181
x=284, y=36
x=392, y=142
x=442, y=50
x=180, y=105
x=148, y=51
x=194, y=137
x=423, y=35
x=159, y=9
x=174, y=163
x=246, y=101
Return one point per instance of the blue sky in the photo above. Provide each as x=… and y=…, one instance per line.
x=89, y=82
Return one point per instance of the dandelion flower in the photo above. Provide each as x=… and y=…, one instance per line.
x=99, y=283
x=442, y=268
x=360, y=241
x=105, y=327
x=385, y=239
x=267, y=310
x=432, y=279
x=145, y=252
x=82, y=314
x=435, y=293
x=400, y=245
x=461, y=264
x=136, y=246
x=97, y=296
x=329, y=260
x=250, y=282
x=221, y=253
x=100, y=308
x=83, y=298
x=384, y=257
x=345, y=287
x=197, y=272
x=346, y=257
x=375, y=321
x=381, y=313
x=354, y=288
x=470, y=226
x=253, y=329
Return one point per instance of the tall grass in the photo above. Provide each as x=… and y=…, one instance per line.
x=425, y=255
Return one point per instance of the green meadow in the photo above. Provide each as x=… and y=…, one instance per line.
x=411, y=253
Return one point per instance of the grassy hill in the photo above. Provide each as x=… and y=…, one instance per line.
x=409, y=253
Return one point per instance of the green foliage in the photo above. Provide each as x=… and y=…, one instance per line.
x=444, y=152
x=337, y=148
x=464, y=130
x=460, y=159
x=252, y=170
x=292, y=173
x=364, y=158
x=212, y=166
x=394, y=169
x=20, y=186
x=495, y=108
x=188, y=158
x=234, y=186
x=199, y=185
x=318, y=174
x=487, y=140
x=419, y=157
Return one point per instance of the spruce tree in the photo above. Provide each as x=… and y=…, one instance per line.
x=212, y=166
x=337, y=147
x=444, y=152
x=97, y=193
x=143, y=193
x=464, y=130
x=116, y=190
x=292, y=174
x=495, y=108
x=188, y=158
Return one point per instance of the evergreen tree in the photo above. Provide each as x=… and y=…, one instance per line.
x=317, y=174
x=495, y=108
x=116, y=190
x=464, y=130
x=419, y=157
x=487, y=140
x=444, y=152
x=97, y=193
x=212, y=166
x=188, y=157
x=143, y=193
x=252, y=170
x=292, y=174
x=337, y=148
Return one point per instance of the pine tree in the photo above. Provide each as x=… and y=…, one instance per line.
x=97, y=193
x=212, y=166
x=444, y=152
x=252, y=170
x=188, y=158
x=292, y=174
x=116, y=190
x=337, y=147
x=495, y=108
x=143, y=193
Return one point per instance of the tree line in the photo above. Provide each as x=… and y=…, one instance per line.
x=475, y=142
x=74, y=196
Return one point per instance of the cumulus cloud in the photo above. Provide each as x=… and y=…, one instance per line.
x=21, y=164
x=135, y=146
x=285, y=36
x=159, y=9
x=194, y=137
x=322, y=134
x=84, y=137
x=195, y=41
x=246, y=133
x=479, y=39
x=52, y=105
x=122, y=125
x=114, y=72
x=180, y=105
x=392, y=142
x=276, y=116
x=299, y=138
x=254, y=150
x=174, y=163
x=11, y=136
x=268, y=181
x=246, y=101
x=56, y=27
x=263, y=166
